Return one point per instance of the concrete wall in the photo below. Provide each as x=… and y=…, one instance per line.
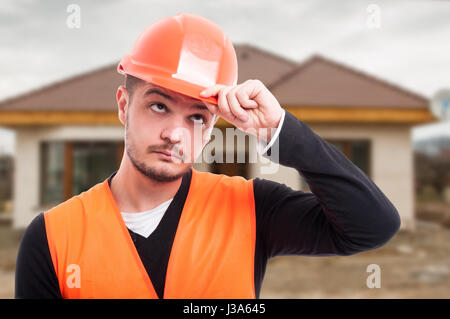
x=27, y=162
x=391, y=162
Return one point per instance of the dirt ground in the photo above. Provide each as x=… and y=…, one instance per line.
x=413, y=265
x=9, y=241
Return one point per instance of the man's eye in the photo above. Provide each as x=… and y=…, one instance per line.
x=198, y=119
x=158, y=107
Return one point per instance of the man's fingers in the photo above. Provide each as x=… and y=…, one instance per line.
x=232, y=100
x=234, y=105
x=245, y=93
x=221, y=109
x=222, y=104
x=212, y=91
x=243, y=96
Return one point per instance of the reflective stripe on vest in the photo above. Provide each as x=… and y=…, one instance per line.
x=212, y=254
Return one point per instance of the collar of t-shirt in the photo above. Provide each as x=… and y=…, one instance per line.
x=144, y=223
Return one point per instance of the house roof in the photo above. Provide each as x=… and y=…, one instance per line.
x=319, y=81
x=256, y=63
x=95, y=90
x=91, y=91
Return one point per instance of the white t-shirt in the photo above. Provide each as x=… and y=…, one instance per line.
x=144, y=223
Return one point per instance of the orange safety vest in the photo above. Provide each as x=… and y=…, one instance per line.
x=212, y=254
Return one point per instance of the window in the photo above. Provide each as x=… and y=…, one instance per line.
x=239, y=150
x=69, y=168
x=52, y=173
x=6, y=182
x=358, y=151
x=92, y=162
x=232, y=169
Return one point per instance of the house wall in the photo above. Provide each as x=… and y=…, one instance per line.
x=391, y=162
x=27, y=166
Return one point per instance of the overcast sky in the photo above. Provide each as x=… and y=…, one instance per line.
x=411, y=46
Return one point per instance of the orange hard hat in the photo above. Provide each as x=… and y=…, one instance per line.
x=185, y=53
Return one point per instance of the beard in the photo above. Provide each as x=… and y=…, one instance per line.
x=158, y=175
x=152, y=173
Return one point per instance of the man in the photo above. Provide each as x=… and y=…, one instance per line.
x=157, y=228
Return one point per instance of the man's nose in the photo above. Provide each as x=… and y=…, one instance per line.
x=174, y=131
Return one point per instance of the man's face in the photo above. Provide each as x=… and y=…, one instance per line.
x=159, y=120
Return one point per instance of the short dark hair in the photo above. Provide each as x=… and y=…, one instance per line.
x=131, y=83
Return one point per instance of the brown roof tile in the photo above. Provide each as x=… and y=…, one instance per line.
x=255, y=63
x=317, y=81
x=91, y=91
x=322, y=82
x=95, y=90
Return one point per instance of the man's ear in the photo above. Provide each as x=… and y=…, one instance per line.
x=122, y=103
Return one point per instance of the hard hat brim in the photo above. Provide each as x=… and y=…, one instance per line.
x=163, y=79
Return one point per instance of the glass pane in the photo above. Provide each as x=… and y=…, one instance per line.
x=239, y=165
x=360, y=155
x=52, y=172
x=6, y=182
x=92, y=164
x=232, y=169
x=358, y=151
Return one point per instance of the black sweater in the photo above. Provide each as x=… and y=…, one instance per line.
x=345, y=214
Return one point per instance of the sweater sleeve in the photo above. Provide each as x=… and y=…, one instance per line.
x=35, y=276
x=345, y=213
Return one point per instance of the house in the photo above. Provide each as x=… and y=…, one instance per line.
x=68, y=136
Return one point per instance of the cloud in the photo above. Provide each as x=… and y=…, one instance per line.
x=410, y=49
x=37, y=47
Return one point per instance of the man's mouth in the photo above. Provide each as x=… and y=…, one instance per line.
x=169, y=154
